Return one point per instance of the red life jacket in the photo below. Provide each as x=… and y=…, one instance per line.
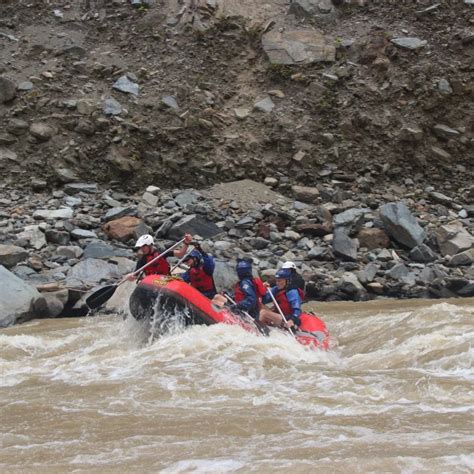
x=200, y=280
x=258, y=286
x=159, y=267
x=284, y=303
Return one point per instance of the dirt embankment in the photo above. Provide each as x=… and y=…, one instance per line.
x=219, y=90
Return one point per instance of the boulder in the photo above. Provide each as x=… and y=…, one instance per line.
x=373, y=239
x=422, y=254
x=118, y=212
x=42, y=131
x=100, y=249
x=401, y=225
x=305, y=193
x=91, y=270
x=351, y=219
x=64, y=213
x=453, y=238
x=194, y=225
x=34, y=236
x=350, y=285
x=298, y=46
x=462, y=259
x=11, y=255
x=343, y=246
x=122, y=229
x=17, y=299
x=224, y=275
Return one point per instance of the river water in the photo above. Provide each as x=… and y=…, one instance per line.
x=95, y=395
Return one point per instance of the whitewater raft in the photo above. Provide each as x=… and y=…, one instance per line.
x=165, y=295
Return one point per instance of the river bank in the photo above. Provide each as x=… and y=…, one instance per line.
x=57, y=245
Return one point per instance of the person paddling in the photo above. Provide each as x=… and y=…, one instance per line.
x=200, y=274
x=147, y=251
x=297, y=281
x=248, y=292
x=288, y=299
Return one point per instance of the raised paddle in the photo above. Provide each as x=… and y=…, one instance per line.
x=176, y=265
x=102, y=295
x=277, y=306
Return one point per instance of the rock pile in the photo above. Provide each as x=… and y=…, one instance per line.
x=348, y=245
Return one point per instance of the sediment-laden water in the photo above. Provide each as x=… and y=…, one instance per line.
x=95, y=395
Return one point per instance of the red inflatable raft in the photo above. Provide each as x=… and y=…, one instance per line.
x=160, y=294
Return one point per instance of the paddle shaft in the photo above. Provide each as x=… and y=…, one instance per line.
x=277, y=306
x=233, y=302
x=176, y=265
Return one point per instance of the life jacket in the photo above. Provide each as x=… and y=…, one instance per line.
x=258, y=286
x=282, y=300
x=159, y=267
x=200, y=280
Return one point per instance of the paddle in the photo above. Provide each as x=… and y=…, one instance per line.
x=277, y=306
x=176, y=265
x=262, y=328
x=102, y=295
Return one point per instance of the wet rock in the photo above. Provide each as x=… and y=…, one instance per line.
x=17, y=299
x=54, y=303
x=350, y=285
x=7, y=90
x=298, y=46
x=11, y=255
x=401, y=225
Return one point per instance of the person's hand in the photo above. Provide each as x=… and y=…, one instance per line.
x=130, y=277
x=188, y=238
x=290, y=324
x=266, y=284
x=197, y=246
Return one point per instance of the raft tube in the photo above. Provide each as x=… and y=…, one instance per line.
x=172, y=293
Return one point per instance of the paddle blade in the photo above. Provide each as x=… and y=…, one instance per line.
x=100, y=297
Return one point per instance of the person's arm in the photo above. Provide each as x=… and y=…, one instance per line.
x=295, y=303
x=250, y=299
x=181, y=252
x=266, y=298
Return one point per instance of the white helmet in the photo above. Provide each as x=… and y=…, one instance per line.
x=289, y=265
x=146, y=239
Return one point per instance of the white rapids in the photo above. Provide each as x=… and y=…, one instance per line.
x=97, y=395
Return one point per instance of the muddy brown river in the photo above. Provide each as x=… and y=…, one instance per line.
x=96, y=395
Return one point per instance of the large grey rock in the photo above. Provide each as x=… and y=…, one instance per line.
x=83, y=234
x=225, y=275
x=343, y=246
x=7, y=90
x=10, y=255
x=453, y=238
x=298, y=46
x=17, y=299
x=112, y=107
x=194, y=224
x=350, y=285
x=100, y=249
x=118, y=212
x=462, y=259
x=401, y=225
x=92, y=270
x=398, y=271
x=42, y=131
x=351, y=219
